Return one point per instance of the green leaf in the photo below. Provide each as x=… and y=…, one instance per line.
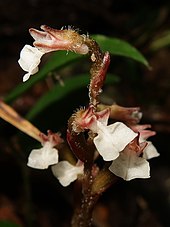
x=8, y=224
x=58, y=92
x=57, y=60
x=120, y=47
x=60, y=59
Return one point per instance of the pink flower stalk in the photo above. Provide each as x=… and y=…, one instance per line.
x=98, y=75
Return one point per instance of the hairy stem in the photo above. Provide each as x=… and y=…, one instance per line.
x=83, y=213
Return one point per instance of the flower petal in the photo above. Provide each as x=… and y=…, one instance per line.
x=129, y=166
x=26, y=77
x=66, y=173
x=150, y=151
x=43, y=157
x=30, y=58
x=112, y=139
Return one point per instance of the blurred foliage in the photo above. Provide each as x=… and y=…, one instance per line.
x=8, y=224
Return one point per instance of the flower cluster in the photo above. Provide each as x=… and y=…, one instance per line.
x=126, y=148
x=47, y=156
x=122, y=143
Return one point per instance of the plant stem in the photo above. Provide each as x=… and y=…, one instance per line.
x=92, y=189
x=83, y=213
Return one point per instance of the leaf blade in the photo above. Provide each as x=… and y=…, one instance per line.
x=120, y=47
x=70, y=85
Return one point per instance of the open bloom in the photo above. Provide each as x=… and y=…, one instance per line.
x=129, y=165
x=110, y=139
x=66, y=172
x=47, y=41
x=43, y=157
x=46, y=155
x=30, y=58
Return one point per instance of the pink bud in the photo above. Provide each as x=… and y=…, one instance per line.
x=51, y=39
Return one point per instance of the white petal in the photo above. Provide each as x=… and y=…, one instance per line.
x=30, y=58
x=112, y=139
x=129, y=166
x=43, y=157
x=150, y=151
x=26, y=77
x=66, y=173
x=105, y=147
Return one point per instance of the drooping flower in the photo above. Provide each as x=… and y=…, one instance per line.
x=110, y=139
x=43, y=157
x=47, y=41
x=30, y=58
x=46, y=155
x=66, y=172
x=129, y=165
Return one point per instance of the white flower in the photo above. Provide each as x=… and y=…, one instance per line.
x=43, y=157
x=66, y=173
x=30, y=58
x=47, y=41
x=112, y=139
x=129, y=165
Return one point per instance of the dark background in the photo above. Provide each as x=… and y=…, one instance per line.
x=35, y=198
